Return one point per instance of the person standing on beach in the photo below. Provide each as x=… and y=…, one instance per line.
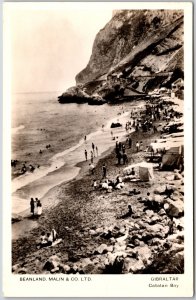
x=125, y=158
x=32, y=206
x=39, y=208
x=141, y=146
x=85, y=152
x=92, y=156
x=35, y=204
x=97, y=151
x=137, y=146
x=93, y=147
x=130, y=142
x=85, y=138
x=104, y=169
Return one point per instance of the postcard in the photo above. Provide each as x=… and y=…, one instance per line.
x=97, y=149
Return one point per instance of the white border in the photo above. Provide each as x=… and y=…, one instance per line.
x=100, y=285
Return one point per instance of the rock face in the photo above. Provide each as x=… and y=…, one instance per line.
x=130, y=33
x=136, y=52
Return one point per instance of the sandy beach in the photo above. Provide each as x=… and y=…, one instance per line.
x=82, y=215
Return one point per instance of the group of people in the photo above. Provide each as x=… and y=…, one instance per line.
x=108, y=185
x=24, y=167
x=35, y=207
x=47, y=239
x=93, y=153
x=121, y=153
x=92, y=170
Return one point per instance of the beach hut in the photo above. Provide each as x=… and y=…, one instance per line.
x=173, y=157
x=143, y=171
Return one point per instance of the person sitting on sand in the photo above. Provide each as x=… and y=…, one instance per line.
x=119, y=183
x=151, y=204
x=95, y=184
x=52, y=237
x=43, y=241
x=104, y=185
x=128, y=214
x=132, y=172
x=31, y=168
x=91, y=168
x=47, y=240
x=145, y=199
x=24, y=169
x=134, y=192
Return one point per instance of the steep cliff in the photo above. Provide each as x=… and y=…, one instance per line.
x=137, y=51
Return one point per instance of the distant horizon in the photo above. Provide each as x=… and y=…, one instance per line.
x=36, y=92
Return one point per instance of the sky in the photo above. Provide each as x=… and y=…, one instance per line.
x=49, y=47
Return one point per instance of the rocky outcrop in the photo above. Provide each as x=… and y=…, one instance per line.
x=77, y=95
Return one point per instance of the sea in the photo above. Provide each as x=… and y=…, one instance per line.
x=38, y=119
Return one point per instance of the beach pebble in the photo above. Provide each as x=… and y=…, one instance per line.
x=119, y=248
x=22, y=271
x=101, y=249
x=110, y=248
x=144, y=251
x=136, y=242
x=52, y=263
x=169, y=178
x=149, y=213
x=66, y=268
x=177, y=237
x=141, y=224
x=15, y=268
x=54, y=270
x=92, y=269
x=177, y=176
x=132, y=265
x=92, y=232
x=175, y=196
x=160, y=189
x=174, y=208
x=162, y=212
x=99, y=230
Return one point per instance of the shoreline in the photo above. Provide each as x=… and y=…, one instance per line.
x=81, y=213
x=63, y=165
x=18, y=227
